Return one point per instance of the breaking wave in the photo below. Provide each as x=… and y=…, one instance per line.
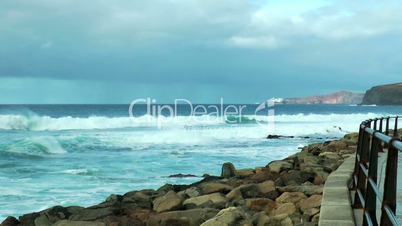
x=47, y=123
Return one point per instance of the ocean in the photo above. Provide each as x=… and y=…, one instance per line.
x=80, y=154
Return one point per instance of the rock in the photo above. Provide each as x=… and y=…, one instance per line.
x=214, y=199
x=311, y=202
x=78, y=223
x=140, y=198
x=281, y=220
x=285, y=208
x=315, y=219
x=170, y=201
x=92, y=214
x=190, y=192
x=212, y=187
x=226, y=217
x=193, y=217
x=279, y=166
x=10, y=221
x=311, y=212
x=308, y=190
x=180, y=175
x=244, y=172
x=317, y=172
x=268, y=189
x=263, y=175
x=137, y=213
x=260, y=204
x=336, y=145
x=235, y=194
x=228, y=170
x=122, y=221
x=330, y=155
x=270, y=136
x=295, y=177
x=292, y=197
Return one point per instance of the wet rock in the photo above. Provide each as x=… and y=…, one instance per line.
x=279, y=166
x=140, y=198
x=273, y=136
x=10, y=221
x=92, y=214
x=290, y=197
x=226, y=217
x=212, y=187
x=169, y=201
x=228, y=170
x=193, y=217
x=214, y=200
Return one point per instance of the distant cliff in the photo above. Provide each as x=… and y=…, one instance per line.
x=384, y=95
x=342, y=97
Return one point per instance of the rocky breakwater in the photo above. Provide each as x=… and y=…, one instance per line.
x=285, y=192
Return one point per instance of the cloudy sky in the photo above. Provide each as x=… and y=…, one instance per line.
x=77, y=51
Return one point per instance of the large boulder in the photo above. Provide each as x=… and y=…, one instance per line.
x=308, y=190
x=169, y=201
x=266, y=189
x=284, y=208
x=313, y=201
x=210, y=200
x=226, y=217
x=292, y=197
x=212, y=187
x=279, y=166
x=193, y=217
x=228, y=170
x=93, y=213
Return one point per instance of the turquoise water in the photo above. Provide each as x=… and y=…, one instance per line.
x=79, y=154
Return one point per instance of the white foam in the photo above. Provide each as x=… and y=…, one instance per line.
x=46, y=123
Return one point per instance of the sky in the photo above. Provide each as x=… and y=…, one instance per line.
x=80, y=51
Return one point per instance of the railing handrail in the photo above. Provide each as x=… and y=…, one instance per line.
x=373, y=137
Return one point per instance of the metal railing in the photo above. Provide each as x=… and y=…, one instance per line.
x=376, y=136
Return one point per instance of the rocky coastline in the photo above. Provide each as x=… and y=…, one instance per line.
x=283, y=193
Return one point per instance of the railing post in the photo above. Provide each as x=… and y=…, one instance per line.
x=358, y=153
x=361, y=177
x=390, y=183
x=370, y=198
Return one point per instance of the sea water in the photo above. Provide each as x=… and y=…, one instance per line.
x=79, y=154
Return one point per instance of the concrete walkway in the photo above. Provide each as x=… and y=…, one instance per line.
x=336, y=207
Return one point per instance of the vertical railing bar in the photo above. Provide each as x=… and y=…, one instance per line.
x=390, y=183
x=396, y=127
x=370, y=198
